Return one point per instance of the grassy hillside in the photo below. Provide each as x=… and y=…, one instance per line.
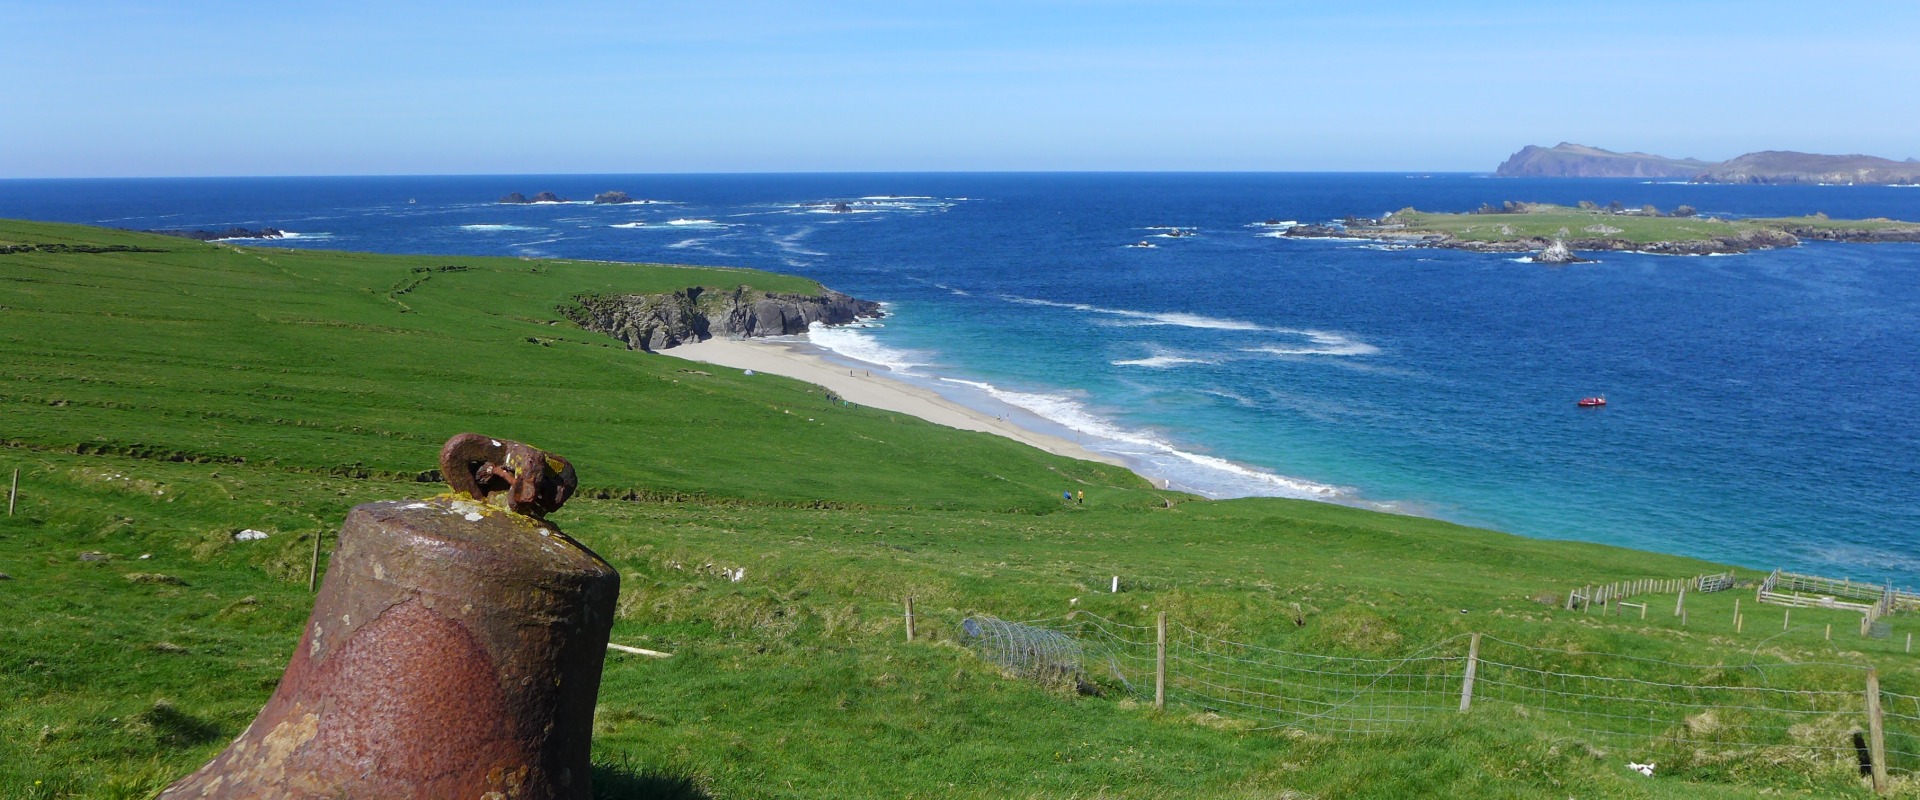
x=156, y=402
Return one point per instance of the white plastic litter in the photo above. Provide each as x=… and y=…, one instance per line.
x=1644, y=769
x=249, y=535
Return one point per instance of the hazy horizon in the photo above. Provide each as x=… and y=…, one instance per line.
x=132, y=89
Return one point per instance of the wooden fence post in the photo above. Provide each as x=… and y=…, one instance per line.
x=1680, y=605
x=1876, y=735
x=13, y=492
x=1786, y=619
x=1740, y=623
x=1829, y=631
x=313, y=567
x=1160, y=663
x=1116, y=585
x=1909, y=641
x=909, y=618
x=1736, y=613
x=1473, y=667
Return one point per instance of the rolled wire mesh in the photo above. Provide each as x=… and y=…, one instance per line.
x=1025, y=649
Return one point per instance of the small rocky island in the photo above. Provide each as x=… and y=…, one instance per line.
x=516, y=198
x=612, y=198
x=1555, y=231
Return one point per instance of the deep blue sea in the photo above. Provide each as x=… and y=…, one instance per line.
x=1761, y=405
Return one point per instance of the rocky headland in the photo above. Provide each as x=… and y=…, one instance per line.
x=230, y=233
x=654, y=322
x=1568, y=160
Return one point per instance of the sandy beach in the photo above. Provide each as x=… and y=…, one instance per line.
x=864, y=388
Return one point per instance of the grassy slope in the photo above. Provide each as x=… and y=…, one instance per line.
x=792, y=683
x=1546, y=221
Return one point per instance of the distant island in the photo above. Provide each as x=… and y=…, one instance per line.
x=1554, y=231
x=1567, y=160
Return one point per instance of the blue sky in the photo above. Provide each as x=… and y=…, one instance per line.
x=214, y=88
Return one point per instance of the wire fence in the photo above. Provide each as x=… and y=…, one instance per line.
x=1813, y=714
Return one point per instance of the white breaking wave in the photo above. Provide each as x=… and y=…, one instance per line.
x=1319, y=343
x=493, y=228
x=283, y=235
x=1073, y=414
x=851, y=342
x=895, y=197
x=695, y=223
x=1145, y=317
x=629, y=225
x=1161, y=362
x=1163, y=358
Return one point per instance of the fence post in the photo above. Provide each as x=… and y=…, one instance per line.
x=1680, y=605
x=1736, y=613
x=313, y=567
x=1909, y=641
x=1116, y=585
x=13, y=492
x=1473, y=666
x=1160, y=663
x=1876, y=735
x=1786, y=619
x=909, y=618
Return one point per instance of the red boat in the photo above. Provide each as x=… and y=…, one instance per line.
x=1592, y=402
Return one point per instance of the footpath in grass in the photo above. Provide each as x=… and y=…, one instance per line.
x=157, y=403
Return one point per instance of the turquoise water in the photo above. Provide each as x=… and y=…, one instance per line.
x=1757, y=402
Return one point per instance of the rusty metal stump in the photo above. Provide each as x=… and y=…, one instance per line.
x=454, y=651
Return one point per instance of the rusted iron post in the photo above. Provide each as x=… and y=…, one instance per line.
x=454, y=650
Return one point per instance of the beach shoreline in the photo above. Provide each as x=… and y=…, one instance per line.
x=799, y=361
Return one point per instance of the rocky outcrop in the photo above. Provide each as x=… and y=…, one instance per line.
x=655, y=322
x=611, y=198
x=230, y=233
x=1557, y=253
x=516, y=198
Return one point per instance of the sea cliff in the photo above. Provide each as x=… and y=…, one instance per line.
x=654, y=322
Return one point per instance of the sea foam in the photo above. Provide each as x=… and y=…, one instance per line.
x=496, y=228
x=1221, y=477
x=854, y=343
x=1181, y=319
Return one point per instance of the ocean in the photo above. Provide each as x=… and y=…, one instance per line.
x=1756, y=408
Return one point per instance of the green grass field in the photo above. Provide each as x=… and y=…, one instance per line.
x=156, y=402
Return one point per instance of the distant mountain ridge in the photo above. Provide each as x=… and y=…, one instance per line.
x=1568, y=160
